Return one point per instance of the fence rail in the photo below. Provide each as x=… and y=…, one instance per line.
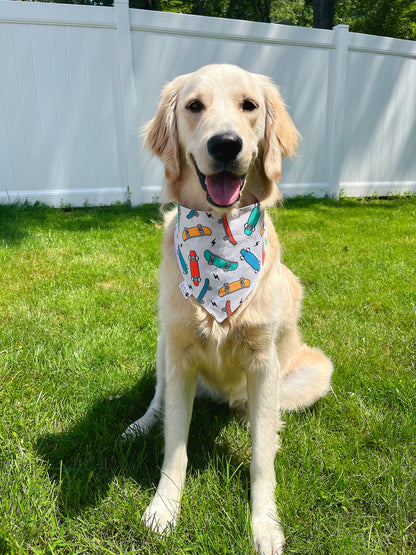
x=78, y=82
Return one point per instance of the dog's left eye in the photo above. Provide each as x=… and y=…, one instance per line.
x=249, y=105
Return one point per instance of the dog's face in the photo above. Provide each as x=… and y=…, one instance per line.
x=221, y=133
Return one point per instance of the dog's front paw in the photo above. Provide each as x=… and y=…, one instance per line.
x=268, y=536
x=161, y=515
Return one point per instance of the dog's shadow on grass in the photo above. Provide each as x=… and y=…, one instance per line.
x=84, y=460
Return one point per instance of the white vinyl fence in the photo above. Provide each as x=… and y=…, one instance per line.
x=78, y=82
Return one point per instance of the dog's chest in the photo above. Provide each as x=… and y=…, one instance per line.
x=222, y=361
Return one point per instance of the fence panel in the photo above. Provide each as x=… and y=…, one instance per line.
x=379, y=145
x=60, y=108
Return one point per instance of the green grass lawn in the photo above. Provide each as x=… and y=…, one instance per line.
x=78, y=331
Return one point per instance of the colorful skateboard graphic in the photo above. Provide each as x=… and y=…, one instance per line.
x=228, y=288
x=192, y=213
x=196, y=231
x=219, y=262
x=206, y=287
x=193, y=262
x=229, y=235
x=250, y=259
x=250, y=226
x=227, y=308
x=182, y=261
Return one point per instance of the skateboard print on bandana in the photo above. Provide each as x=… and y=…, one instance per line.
x=220, y=258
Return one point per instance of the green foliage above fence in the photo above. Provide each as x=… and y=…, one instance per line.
x=390, y=18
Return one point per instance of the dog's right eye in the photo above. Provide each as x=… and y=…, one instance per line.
x=195, y=106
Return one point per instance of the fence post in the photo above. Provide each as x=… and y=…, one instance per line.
x=336, y=108
x=130, y=149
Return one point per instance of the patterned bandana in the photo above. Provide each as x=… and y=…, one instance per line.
x=220, y=259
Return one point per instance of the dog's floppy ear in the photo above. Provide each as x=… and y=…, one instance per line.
x=161, y=135
x=281, y=134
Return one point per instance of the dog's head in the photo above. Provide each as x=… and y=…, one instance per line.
x=221, y=133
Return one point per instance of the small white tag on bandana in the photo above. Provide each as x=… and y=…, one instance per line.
x=220, y=259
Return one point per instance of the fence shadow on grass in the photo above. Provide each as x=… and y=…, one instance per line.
x=19, y=220
x=83, y=460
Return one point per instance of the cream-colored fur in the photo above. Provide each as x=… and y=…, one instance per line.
x=255, y=356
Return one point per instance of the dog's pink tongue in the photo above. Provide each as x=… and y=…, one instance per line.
x=223, y=187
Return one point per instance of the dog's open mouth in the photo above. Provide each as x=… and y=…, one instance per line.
x=223, y=188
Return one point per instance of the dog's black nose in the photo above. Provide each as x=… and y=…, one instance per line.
x=224, y=147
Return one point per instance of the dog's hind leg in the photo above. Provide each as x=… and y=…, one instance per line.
x=305, y=373
x=156, y=407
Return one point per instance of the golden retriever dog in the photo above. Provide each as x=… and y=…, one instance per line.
x=221, y=133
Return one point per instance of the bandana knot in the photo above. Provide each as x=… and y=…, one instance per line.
x=220, y=259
